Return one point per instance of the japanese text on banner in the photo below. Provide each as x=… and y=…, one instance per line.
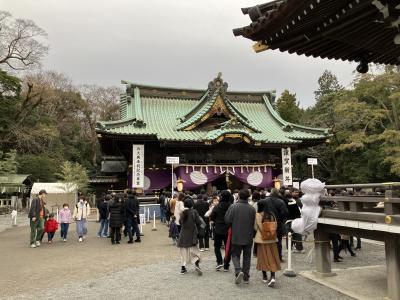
x=286, y=166
x=138, y=166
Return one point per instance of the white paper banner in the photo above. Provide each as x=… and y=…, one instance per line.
x=138, y=166
x=286, y=166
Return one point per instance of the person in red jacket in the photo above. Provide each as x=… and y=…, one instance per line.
x=50, y=227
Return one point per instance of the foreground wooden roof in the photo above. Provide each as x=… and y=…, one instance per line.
x=358, y=30
x=206, y=116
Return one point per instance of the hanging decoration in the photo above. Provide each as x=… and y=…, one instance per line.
x=258, y=175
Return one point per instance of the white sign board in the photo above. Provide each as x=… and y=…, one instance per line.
x=138, y=166
x=296, y=185
x=173, y=160
x=312, y=161
x=286, y=166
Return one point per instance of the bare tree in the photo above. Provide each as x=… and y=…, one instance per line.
x=21, y=42
x=101, y=105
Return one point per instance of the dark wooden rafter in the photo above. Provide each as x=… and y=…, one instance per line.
x=354, y=30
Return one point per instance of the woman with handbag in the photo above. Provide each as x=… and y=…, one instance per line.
x=191, y=226
x=268, y=260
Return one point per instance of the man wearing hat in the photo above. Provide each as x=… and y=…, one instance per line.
x=36, y=214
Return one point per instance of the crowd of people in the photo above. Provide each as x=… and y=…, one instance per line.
x=241, y=225
x=42, y=222
x=116, y=211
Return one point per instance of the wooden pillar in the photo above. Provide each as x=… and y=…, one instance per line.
x=392, y=249
x=209, y=189
x=322, y=253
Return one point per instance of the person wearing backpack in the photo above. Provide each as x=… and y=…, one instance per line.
x=80, y=215
x=268, y=259
x=191, y=224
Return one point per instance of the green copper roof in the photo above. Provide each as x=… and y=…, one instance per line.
x=216, y=88
x=163, y=113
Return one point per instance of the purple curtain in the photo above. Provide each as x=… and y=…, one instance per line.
x=257, y=176
x=194, y=177
x=154, y=179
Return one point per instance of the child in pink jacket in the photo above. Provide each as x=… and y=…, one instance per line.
x=65, y=218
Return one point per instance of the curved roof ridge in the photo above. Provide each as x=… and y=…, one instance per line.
x=286, y=123
x=193, y=109
x=139, y=85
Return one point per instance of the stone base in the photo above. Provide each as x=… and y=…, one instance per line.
x=289, y=273
x=322, y=275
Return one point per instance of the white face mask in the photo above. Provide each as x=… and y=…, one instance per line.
x=81, y=200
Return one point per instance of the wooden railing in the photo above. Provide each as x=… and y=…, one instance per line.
x=381, y=204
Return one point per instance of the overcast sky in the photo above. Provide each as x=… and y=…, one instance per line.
x=178, y=43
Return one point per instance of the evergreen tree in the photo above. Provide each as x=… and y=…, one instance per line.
x=8, y=163
x=74, y=175
x=288, y=107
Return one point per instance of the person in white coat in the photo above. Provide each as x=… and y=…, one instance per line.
x=80, y=215
x=179, y=207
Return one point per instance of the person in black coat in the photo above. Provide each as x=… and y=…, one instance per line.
x=117, y=217
x=162, y=200
x=293, y=213
x=221, y=230
x=132, y=215
x=102, y=206
x=202, y=207
x=187, y=242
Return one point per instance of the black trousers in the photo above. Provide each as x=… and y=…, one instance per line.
x=335, y=238
x=136, y=228
x=205, y=241
x=218, y=240
x=115, y=234
x=132, y=227
x=298, y=245
x=128, y=228
x=358, y=242
x=279, y=235
x=344, y=244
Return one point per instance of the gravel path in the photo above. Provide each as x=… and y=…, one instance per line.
x=149, y=270
x=163, y=281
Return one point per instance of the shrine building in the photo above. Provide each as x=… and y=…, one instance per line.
x=224, y=139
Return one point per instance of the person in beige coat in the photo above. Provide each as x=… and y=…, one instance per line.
x=179, y=207
x=80, y=215
x=267, y=250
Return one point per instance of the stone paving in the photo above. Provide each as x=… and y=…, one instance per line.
x=6, y=221
x=149, y=270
